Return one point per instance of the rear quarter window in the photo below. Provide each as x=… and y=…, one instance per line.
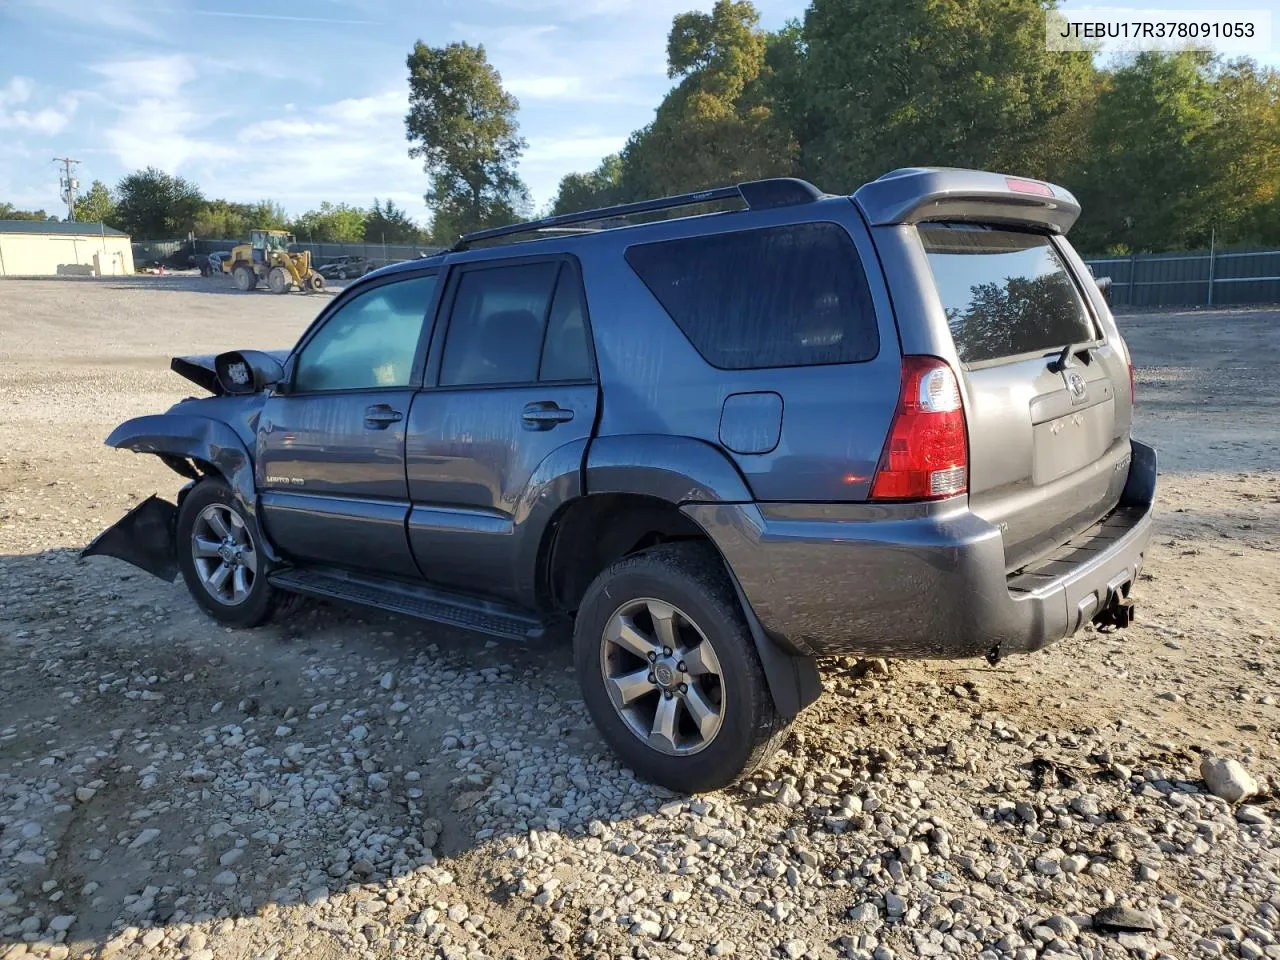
x=1005, y=292
x=776, y=297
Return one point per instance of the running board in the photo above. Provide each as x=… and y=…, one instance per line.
x=413, y=600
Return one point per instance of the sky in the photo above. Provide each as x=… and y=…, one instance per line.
x=305, y=102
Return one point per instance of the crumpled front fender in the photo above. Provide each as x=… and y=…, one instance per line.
x=178, y=438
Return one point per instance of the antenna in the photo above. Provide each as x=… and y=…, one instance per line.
x=69, y=185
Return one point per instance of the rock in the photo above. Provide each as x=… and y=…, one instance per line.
x=378, y=783
x=85, y=794
x=789, y=796
x=646, y=928
x=1073, y=863
x=678, y=896
x=145, y=837
x=894, y=905
x=363, y=868
x=62, y=923
x=1227, y=779
x=458, y=912
x=795, y=949
x=231, y=856
x=865, y=913
x=260, y=796
x=560, y=931
x=723, y=948
x=195, y=940
x=205, y=954
x=1253, y=816
x=152, y=938
x=226, y=879
x=388, y=681
x=1122, y=918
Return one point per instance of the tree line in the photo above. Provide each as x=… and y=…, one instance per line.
x=1163, y=150
x=152, y=204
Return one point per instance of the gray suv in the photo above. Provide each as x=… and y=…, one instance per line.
x=715, y=447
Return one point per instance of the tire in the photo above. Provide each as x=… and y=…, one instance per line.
x=207, y=500
x=279, y=281
x=245, y=278
x=342, y=274
x=688, y=582
x=314, y=284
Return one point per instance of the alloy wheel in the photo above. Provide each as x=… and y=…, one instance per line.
x=662, y=676
x=225, y=558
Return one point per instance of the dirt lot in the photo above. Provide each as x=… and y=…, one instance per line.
x=346, y=783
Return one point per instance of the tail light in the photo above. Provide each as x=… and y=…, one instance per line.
x=927, y=454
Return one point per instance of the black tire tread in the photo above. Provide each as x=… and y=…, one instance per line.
x=700, y=565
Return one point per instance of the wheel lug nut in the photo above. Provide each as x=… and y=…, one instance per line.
x=652, y=656
x=680, y=666
x=684, y=688
x=652, y=678
x=666, y=651
x=666, y=695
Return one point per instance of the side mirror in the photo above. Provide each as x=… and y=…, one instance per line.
x=247, y=371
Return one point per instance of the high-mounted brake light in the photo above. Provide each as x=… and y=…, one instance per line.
x=927, y=454
x=1028, y=186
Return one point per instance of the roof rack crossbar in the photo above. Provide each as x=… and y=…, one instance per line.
x=602, y=213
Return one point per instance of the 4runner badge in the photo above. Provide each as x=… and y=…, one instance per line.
x=1078, y=388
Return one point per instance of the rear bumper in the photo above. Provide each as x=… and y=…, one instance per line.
x=924, y=581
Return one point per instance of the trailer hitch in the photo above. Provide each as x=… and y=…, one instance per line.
x=1117, y=615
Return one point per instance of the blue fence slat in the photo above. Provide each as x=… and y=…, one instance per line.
x=1183, y=279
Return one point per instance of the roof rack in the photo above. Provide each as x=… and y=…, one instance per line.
x=757, y=195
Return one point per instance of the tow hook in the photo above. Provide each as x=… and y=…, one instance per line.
x=1117, y=615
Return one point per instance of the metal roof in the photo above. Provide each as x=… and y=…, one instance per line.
x=59, y=229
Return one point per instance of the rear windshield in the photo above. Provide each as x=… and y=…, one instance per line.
x=1005, y=293
x=776, y=297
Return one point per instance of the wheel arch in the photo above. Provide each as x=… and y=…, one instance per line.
x=196, y=448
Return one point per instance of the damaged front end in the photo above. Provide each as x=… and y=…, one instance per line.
x=144, y=538
x=198, y=438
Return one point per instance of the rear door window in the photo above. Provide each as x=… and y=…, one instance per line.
x=1006, y=293
x=777, y=297
x=497, y=324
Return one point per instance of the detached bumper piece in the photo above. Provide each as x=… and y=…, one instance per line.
x=144, y=538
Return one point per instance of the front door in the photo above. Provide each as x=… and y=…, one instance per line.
x=515, y=392
x=331, y=446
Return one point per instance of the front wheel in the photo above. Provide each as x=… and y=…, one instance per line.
x=278, y=280
x=670, y=673
x=219, y=553
x=245, y=278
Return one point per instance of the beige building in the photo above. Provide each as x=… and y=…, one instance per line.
x=46, y=248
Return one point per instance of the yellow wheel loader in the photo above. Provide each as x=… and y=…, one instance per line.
x=267, y=257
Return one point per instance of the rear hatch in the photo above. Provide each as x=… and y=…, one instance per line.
x=1048, y=409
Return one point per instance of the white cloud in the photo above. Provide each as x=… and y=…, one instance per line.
x=45, y=121
x=145, y=77
x=572, y=150
x=268, y=130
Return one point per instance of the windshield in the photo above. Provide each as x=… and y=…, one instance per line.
x=1005, y=292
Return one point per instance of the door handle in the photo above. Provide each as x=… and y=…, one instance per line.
x=544, y=414
x=380, y=416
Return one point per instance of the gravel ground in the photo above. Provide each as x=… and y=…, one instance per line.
x=347, y=783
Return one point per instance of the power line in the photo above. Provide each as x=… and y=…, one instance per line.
x=69, y=184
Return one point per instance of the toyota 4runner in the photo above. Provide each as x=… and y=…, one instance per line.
x=716, y=447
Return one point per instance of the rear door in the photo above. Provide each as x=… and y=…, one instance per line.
x=1049, y=406
x=514, y=388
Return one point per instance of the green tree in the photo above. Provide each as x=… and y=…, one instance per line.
x=1149, y=181
x=720, y=124
x=331, y=223
x=9, y=212
x=222, y=220
x=890, y=83
x=462, y=125
x=601, y=187
x=387, y=223
x=152, y=204
x=1244, y=154
x=96, y=206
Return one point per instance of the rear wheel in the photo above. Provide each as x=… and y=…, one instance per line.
x=279, y=280
x=245, y=278
x=315, y=283
x=219, y=553
x=669, y=671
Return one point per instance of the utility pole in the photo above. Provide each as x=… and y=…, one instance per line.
x=69, y=185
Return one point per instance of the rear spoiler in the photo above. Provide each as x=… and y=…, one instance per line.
x=920, y=194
